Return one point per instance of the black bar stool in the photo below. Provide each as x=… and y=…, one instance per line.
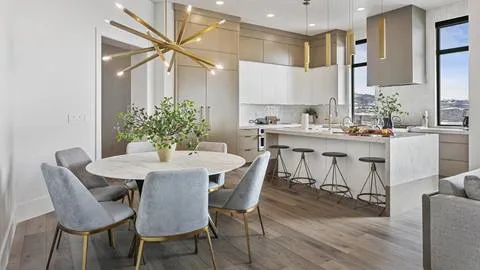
x=373, y=195
x=276, y=174
x=334, y=186
x=297, y=178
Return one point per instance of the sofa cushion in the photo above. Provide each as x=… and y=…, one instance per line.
x=472, y=187
x=452, y=186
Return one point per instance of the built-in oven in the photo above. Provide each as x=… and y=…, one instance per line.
x=261, y=139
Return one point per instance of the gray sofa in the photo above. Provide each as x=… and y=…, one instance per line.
x=451, y=226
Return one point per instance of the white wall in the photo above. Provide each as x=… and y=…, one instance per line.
x=7, y=224
x=57, y=73
x=415, y=99
x=474, y=146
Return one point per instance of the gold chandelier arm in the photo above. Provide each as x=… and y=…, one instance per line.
x=183, y=28
x=130, y=53
x=146, y=25
x=193, y=56
x=138, y=33
x=158, y=50
x=172, y=62
x=199, y=33
x=150, y=58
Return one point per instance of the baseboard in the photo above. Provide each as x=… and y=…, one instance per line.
x=6, y=244
x=33, y=208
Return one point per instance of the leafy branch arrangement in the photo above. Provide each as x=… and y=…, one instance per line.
x=311, y=111
x=169, y=124
x=388, y=106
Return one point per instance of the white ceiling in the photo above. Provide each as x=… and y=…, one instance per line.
x=290, y=14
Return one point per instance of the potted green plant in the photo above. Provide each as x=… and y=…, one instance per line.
x=169, y=124
x=312, y=115
x=388, y=106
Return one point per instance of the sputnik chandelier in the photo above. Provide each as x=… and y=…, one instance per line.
x=161, y=44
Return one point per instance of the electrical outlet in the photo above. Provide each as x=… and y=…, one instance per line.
x=73, y=118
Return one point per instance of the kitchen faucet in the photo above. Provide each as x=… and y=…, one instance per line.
x=330, y=112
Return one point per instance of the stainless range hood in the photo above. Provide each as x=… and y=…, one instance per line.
x=405, y=36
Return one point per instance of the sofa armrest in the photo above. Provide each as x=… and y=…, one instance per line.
x=451, y=230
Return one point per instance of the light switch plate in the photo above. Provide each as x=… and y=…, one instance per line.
x=73, y=118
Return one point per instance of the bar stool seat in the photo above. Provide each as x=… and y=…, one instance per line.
x=279, y=146
x=297, y=178
x=276, y=173
x=372, y=159
x=374, y=195
x=334, y=154
x=303, y=150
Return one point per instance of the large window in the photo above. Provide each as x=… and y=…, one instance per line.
x=363, y=97
x=452, y=71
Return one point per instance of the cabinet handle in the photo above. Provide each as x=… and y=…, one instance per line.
x=248, y=150
x=201, y=113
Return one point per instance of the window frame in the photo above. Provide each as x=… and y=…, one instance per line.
x=352, y=76
x=439, y=52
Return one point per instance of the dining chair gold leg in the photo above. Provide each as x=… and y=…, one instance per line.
x=216, y=218
x=140, y=254
x=196, y=243
x=59, y=238
x=57, y=230
x=111, y=238
x=211, y=249
x=133, y=245
x=85, y=252
x=260, y=218
x=245, y=221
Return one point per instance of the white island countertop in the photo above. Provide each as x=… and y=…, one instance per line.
x=338, y=134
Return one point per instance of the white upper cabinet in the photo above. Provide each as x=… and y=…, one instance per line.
x=275, y=84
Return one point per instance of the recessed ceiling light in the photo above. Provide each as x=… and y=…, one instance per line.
x=311, y=25
x=360, y=9
x=220, y=3
x=270, y=15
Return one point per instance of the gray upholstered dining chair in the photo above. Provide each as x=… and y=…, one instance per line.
x=132, y=148
x=174, y=205
x=245, y=197
x=78, y=212
x=216, y=181
x=76, y=160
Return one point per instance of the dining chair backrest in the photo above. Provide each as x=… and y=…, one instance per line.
x=76, y=160
x=212, y=147
x=140, y=147
x=75, y=206
x=247, y=193
x=173, y=202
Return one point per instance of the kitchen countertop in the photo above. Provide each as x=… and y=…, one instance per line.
x=338, y=134
x=439, y=130
x=255, y=126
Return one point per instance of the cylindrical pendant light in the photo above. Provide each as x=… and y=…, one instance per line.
x=350, y=37
x=306, y=44
x=382, y=36
x=328, y=39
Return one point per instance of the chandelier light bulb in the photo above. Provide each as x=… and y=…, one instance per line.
x=107, y=21
x=222, y=21
x=218, y=66
x=212, y=72
x=189, y=8
x=106, y=58
x=198, y=39
x=120, y=73
x=120, y=6
x=166, y=63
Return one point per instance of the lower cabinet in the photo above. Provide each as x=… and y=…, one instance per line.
x=453, y=154
x=247, y=144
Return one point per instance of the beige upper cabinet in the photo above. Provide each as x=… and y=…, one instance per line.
x=405, y=48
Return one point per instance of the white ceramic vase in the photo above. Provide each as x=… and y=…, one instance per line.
x=166, y=154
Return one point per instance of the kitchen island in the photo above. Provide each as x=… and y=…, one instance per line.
x=411, y=167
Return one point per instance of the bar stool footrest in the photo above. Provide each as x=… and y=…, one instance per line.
x=335, y=188
x=372, y=195
x=296, y=180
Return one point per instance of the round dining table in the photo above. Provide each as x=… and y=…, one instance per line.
x=137, y=166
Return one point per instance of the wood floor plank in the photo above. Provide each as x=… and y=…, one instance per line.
x=302, y=232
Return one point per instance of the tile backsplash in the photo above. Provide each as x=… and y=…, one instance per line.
x=288, y=113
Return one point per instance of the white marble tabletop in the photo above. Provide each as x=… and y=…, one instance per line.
x=137, y=166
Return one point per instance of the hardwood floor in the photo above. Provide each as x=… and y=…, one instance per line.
x=301, y=233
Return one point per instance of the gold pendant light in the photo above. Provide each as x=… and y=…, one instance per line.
x=350, y=37
x=161, y=44
x=328, y=39
x=382, y=36
x=306, y=44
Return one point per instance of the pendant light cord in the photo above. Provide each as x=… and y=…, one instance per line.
x=306, y=3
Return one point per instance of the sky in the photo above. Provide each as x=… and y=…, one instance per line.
x=454, y=67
